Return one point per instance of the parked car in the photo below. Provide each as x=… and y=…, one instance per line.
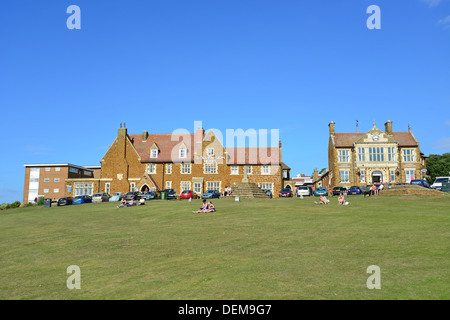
x=401, y=184
x=117, y=196
x=82, y=199
x=65, y=201
x=303, y=190
x=268, y=193
x=211, y=194
x=354, y=190
x=366, y=190
x=100, y=197
x=132, y=196
x=151, y=195
x=187, y=194
x=321, y=191
x=437, y=184
x=285, y=193
x=420, y=182
x=338, y=190
x=171, y=194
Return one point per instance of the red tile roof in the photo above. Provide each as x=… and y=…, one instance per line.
x=168, y=150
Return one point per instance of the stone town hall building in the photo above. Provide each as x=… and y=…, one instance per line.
x=376, y=156
x=190, y=161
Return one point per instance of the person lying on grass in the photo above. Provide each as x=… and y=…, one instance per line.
x=323, y=200
x=203, y=208
x=342, y=200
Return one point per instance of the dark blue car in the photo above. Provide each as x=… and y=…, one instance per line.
x=82, y=199
x=354, y=190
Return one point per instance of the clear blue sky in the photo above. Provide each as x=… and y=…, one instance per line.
x=263, y=64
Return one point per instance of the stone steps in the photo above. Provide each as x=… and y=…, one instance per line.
x=248, y=190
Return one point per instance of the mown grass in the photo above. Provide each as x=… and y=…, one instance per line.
x=253, y=249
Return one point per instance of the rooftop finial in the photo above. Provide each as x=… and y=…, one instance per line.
x=121, y=124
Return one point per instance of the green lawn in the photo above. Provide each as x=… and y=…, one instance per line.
x=253, y=249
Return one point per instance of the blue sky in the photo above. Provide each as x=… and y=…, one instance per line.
x=261, y=64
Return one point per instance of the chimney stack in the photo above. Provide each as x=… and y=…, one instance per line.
x=144, y=136
x=331, y=126
x=388, y=127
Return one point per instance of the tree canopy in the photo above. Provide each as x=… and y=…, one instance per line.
x=438, y=166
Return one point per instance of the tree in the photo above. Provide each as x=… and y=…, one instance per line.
x=438, y=166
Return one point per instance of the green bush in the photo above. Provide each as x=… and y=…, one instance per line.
x=15, y=204
x=40, y=201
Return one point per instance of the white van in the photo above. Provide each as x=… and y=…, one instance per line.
x=437, y=184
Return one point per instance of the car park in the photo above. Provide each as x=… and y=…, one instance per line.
x=354, y=190
x=321, y=191
x=65, y=201
x=420, y=182
x=151, y=195
x=303, y=191
x=437, y=184
x=209, y=194
x=82, y=199
x=100, y=197
x=285, y=193
x=117, y=196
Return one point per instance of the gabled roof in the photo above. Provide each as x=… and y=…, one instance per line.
x=166, y=147
x=404, y=139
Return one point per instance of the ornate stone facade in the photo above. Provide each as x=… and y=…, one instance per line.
x=376, y=156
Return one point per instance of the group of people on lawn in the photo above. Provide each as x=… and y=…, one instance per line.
x=207, y=207
x=325, y=200
x=124, y=203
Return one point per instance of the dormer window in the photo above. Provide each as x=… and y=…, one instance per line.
x=154, y=151
x=210, y=152
x=183, y=152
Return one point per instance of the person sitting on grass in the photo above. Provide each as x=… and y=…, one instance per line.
x=203, y=208
x=123, y=203
x=211, y=207
x=323, y=200
x=141, y=201
x=342, y=201
x=131, y=203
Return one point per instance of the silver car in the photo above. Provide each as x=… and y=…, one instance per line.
x=100, y=197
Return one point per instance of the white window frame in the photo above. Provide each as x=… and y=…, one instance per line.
x=151, y=168
x=210, y=152
x=344, y=156
x=392, y=175
x=168, y=184
x=376, y=154
x=265, y=169
x=108, y=187
x=391, y=153
x=83, y=189
x=408, y=155
x=345, y=176
x=132, y=186
x=210, y=168
x=46, y=179
x=57, y=169
x=46, y=190
x=153, y=153
x=169, y=168
x=56, y=190
x=248, y=169
x=183, y=153
x=363, y=176
x=266, y=186
x=361, y=154
x=56, y=180
x=209, y=183
x=197, y=187
x=184, y=184
x=234, y=170
x=185, y=168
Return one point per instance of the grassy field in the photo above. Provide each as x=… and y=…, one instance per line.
x=253, y=249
